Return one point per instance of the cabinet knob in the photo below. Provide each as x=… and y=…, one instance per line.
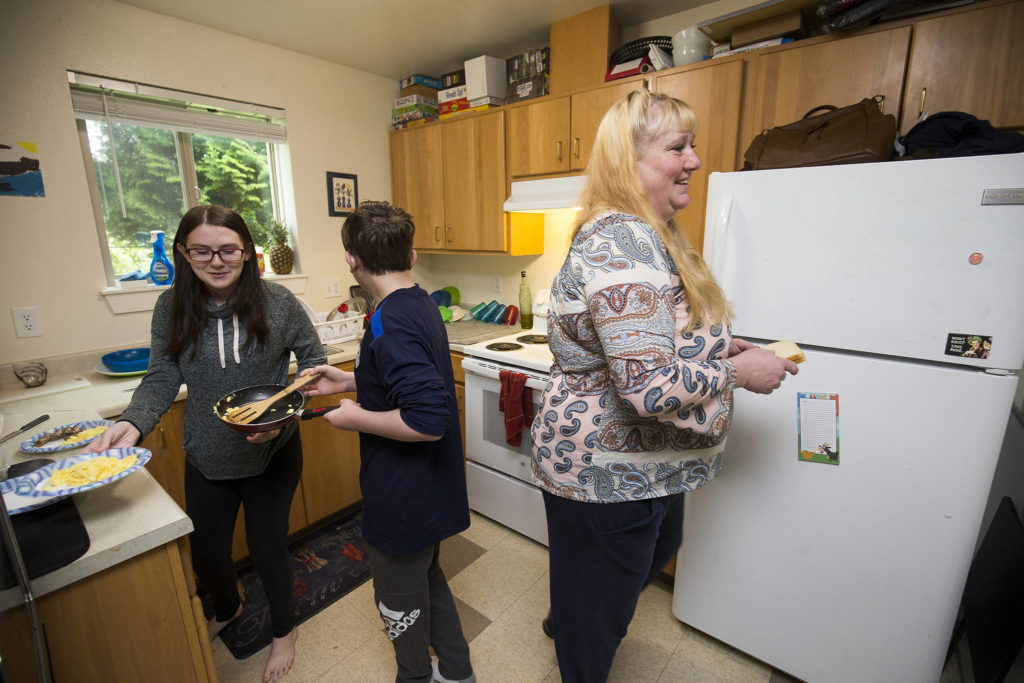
x=558, y=150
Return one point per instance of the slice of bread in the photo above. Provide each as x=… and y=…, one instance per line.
x=787, y=349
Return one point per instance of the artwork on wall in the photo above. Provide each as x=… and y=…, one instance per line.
x=342, y=193
x=19, y=170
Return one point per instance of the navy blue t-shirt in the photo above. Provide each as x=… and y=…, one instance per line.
x=414, y=493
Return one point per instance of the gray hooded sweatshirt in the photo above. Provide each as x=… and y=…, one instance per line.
x=221, y=365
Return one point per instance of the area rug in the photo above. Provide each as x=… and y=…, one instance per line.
x=327, y=564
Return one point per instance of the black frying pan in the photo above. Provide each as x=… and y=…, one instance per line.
x=280, y=414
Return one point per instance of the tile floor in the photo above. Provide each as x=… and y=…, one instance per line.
x=500, y=582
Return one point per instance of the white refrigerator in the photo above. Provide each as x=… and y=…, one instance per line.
x=835, y=542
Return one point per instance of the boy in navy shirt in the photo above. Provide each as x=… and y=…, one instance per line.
x=412, y=476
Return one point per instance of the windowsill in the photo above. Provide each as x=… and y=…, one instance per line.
x=135, y=298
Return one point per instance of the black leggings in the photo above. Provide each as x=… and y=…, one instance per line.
x=266, y=499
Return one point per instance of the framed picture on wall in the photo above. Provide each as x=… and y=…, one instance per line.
x=342, y=193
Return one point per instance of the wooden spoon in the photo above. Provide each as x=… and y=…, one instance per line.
x=245, y=414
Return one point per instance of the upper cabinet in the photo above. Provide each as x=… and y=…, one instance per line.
x=473, y=172
x=788, y=81
x=416, y=182
x=451, y=177
x=538, y=137
x=714, y=92
x=971, y=61
x=555, y=135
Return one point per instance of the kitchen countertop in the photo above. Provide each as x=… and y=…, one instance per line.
x=123, y=519
x=135, y=514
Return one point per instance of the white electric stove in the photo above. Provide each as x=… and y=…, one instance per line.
x=497, y=474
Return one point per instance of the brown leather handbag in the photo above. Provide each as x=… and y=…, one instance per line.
x=856, y=134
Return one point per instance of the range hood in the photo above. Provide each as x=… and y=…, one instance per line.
x=550, y=193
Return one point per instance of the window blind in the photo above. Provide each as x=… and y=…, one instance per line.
x=144, y=105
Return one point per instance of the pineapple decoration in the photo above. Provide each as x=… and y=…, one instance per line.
x=279, y=252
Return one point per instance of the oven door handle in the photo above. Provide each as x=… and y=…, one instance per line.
x=492, y=372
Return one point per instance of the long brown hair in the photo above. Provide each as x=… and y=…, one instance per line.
x=248, y=299
x=613, y=184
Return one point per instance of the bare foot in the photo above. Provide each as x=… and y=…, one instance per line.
x=213, y=627
x=282, y=654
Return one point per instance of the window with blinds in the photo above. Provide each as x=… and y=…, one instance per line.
x=151, y=153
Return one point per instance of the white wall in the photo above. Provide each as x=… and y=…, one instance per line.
x=337, y=121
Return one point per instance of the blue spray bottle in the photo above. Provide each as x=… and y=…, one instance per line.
x=161, y=270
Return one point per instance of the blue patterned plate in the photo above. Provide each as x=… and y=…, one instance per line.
x=54, y=446
x=17, y=491
x=41, y=491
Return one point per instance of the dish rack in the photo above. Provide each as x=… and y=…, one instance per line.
x=340, y=329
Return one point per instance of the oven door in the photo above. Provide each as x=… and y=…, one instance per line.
x=485, y=423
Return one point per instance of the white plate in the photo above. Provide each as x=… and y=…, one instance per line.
x=26, y=492
x=104, y=370
x=53, y=447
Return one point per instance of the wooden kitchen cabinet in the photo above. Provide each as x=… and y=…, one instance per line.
x=970, y=61
x=135, y=621
x=168, y=462
x=473, y=174
x=786, y=82
x=460, y=393
x=714, y=92
x=416, y=184
x=556, y=135
x=451, y=177
x=538, y=137
x=588, y=108
x=330, y=471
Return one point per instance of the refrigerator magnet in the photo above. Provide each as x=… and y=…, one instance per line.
x=968, y=345
x=818, y=427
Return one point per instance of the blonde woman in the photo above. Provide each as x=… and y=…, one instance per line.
x=640, y=397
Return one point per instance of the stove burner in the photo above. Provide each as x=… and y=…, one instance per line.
x=533, y=339
x=504, y=346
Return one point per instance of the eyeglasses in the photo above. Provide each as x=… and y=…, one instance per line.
x=229, y=255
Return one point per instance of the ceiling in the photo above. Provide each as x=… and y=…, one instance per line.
x=396, y=38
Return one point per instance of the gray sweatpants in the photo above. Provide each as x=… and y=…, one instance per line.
x=413, y=598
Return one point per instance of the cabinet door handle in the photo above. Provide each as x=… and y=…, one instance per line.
x=437, y=233
x=576, y=148
x=163, y=439
x=448, y=233
x=924, y=96
x=558, y=150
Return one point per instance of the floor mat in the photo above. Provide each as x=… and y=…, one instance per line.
x=327, y=564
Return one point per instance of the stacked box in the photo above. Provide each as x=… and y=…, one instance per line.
x=528, y=74
x=493, y=101
x=452, y=79
x=485, y=77
x=410, y=100
x=398, y=125
x=418, y=79
x=419, y=89
x=413, y=107
x=452, y=100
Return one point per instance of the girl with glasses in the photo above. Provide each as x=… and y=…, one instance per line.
x=217, y=329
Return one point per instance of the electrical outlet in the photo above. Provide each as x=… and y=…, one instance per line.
x=332, y=287
x=27, y=322
x=496, y=284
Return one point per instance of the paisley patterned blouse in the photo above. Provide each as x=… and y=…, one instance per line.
x=635, y=408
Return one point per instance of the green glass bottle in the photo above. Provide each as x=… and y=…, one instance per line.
x=525, y=304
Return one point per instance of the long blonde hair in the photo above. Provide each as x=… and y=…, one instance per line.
x=613, y=184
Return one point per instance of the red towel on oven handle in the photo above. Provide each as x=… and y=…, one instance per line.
x=516, y=402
